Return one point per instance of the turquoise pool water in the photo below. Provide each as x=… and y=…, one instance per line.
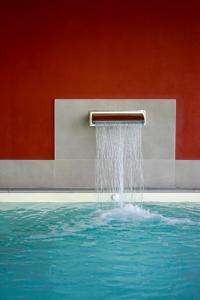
x=90, y=251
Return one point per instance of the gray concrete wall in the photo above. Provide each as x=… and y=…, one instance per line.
x=80, y=174
x=74, y=139
x=73, y=166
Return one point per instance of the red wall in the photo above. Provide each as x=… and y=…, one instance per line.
x=95, y=49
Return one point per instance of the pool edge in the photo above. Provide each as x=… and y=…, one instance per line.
x=76, y=197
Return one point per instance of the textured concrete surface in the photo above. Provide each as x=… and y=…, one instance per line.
x=79, y=174
x=188, y=173
x=74, y=139
x=26, y=173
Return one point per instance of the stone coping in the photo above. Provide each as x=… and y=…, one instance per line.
x=77, y=197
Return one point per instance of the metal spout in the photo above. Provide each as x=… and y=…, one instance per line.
x=117, y=117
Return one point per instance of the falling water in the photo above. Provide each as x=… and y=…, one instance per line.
x=119, y=163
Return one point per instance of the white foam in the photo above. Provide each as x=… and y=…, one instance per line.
x=135, y=214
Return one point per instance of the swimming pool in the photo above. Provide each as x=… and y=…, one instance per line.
x=96, y=251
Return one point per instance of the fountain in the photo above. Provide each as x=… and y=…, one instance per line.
x=119, y=160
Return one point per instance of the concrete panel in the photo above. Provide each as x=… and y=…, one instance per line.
x=75, y=173
x=7, y=168
x=26, y=174
x=188, y=174
x=159, y=173
x=80, y=174
x=74, y=139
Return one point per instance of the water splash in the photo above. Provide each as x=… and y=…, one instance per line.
x=119, y=163
x=135, y=214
